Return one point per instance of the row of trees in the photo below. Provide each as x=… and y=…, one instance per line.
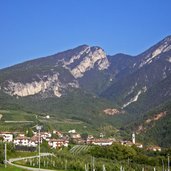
x=133, y=154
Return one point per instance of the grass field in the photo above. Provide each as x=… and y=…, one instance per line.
x=12, y=120
x=15, y=120
x=11, y=168
x=11, y=115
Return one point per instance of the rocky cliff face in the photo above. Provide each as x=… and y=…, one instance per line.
x=44, y=85
x=62, y=72
x=86, y=60
x=154, y=53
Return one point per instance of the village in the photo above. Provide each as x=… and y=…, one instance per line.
x=57, y=139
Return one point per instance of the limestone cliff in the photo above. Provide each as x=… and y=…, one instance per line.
x=52, y=83
x=53, y=75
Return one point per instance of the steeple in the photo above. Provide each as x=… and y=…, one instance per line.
x=133, y=138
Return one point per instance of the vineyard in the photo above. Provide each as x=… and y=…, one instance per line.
x=77, y=149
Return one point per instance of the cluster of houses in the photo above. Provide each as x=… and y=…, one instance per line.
x=22, y=140
x=63, y=140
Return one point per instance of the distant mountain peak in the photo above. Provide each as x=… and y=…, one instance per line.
x=81, y=47
x=167, y=39
x=85, y=60
x=154, y=52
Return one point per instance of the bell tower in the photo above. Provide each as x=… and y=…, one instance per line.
x=133, y=138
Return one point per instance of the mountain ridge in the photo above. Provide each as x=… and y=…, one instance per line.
x=75, y=64
x=135, y=84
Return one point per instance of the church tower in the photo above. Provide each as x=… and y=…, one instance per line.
x=133, y=138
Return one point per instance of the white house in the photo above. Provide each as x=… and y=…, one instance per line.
x=102, y=142
x=57, y=143
x=154, y=148
x=23, y=141
x=75, y=135
x=130, y=144
x=34, y=141
x=45, y=135
x=21, y=135
x=7, y=136
x=72, y=131
x=139, y=145
x=47, y=117
x=27, y=141
x=58, y=133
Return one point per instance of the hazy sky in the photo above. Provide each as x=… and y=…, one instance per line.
x=35, y=28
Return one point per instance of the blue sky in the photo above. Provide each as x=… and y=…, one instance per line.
x=33, y=28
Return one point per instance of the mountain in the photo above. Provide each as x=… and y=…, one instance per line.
x=62, y=84
x=146, y=76
x=53, y=74
x=84, y=82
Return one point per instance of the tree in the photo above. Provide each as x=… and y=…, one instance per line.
x=1, y=153
x=1, y=139
x=29, y=132
x=45, y=147
x=84, y=136
x=115, y=151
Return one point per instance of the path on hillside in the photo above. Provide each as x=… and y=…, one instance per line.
x=18, y=121
x=10, y=162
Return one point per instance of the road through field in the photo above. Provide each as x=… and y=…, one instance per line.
x=10, y=162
